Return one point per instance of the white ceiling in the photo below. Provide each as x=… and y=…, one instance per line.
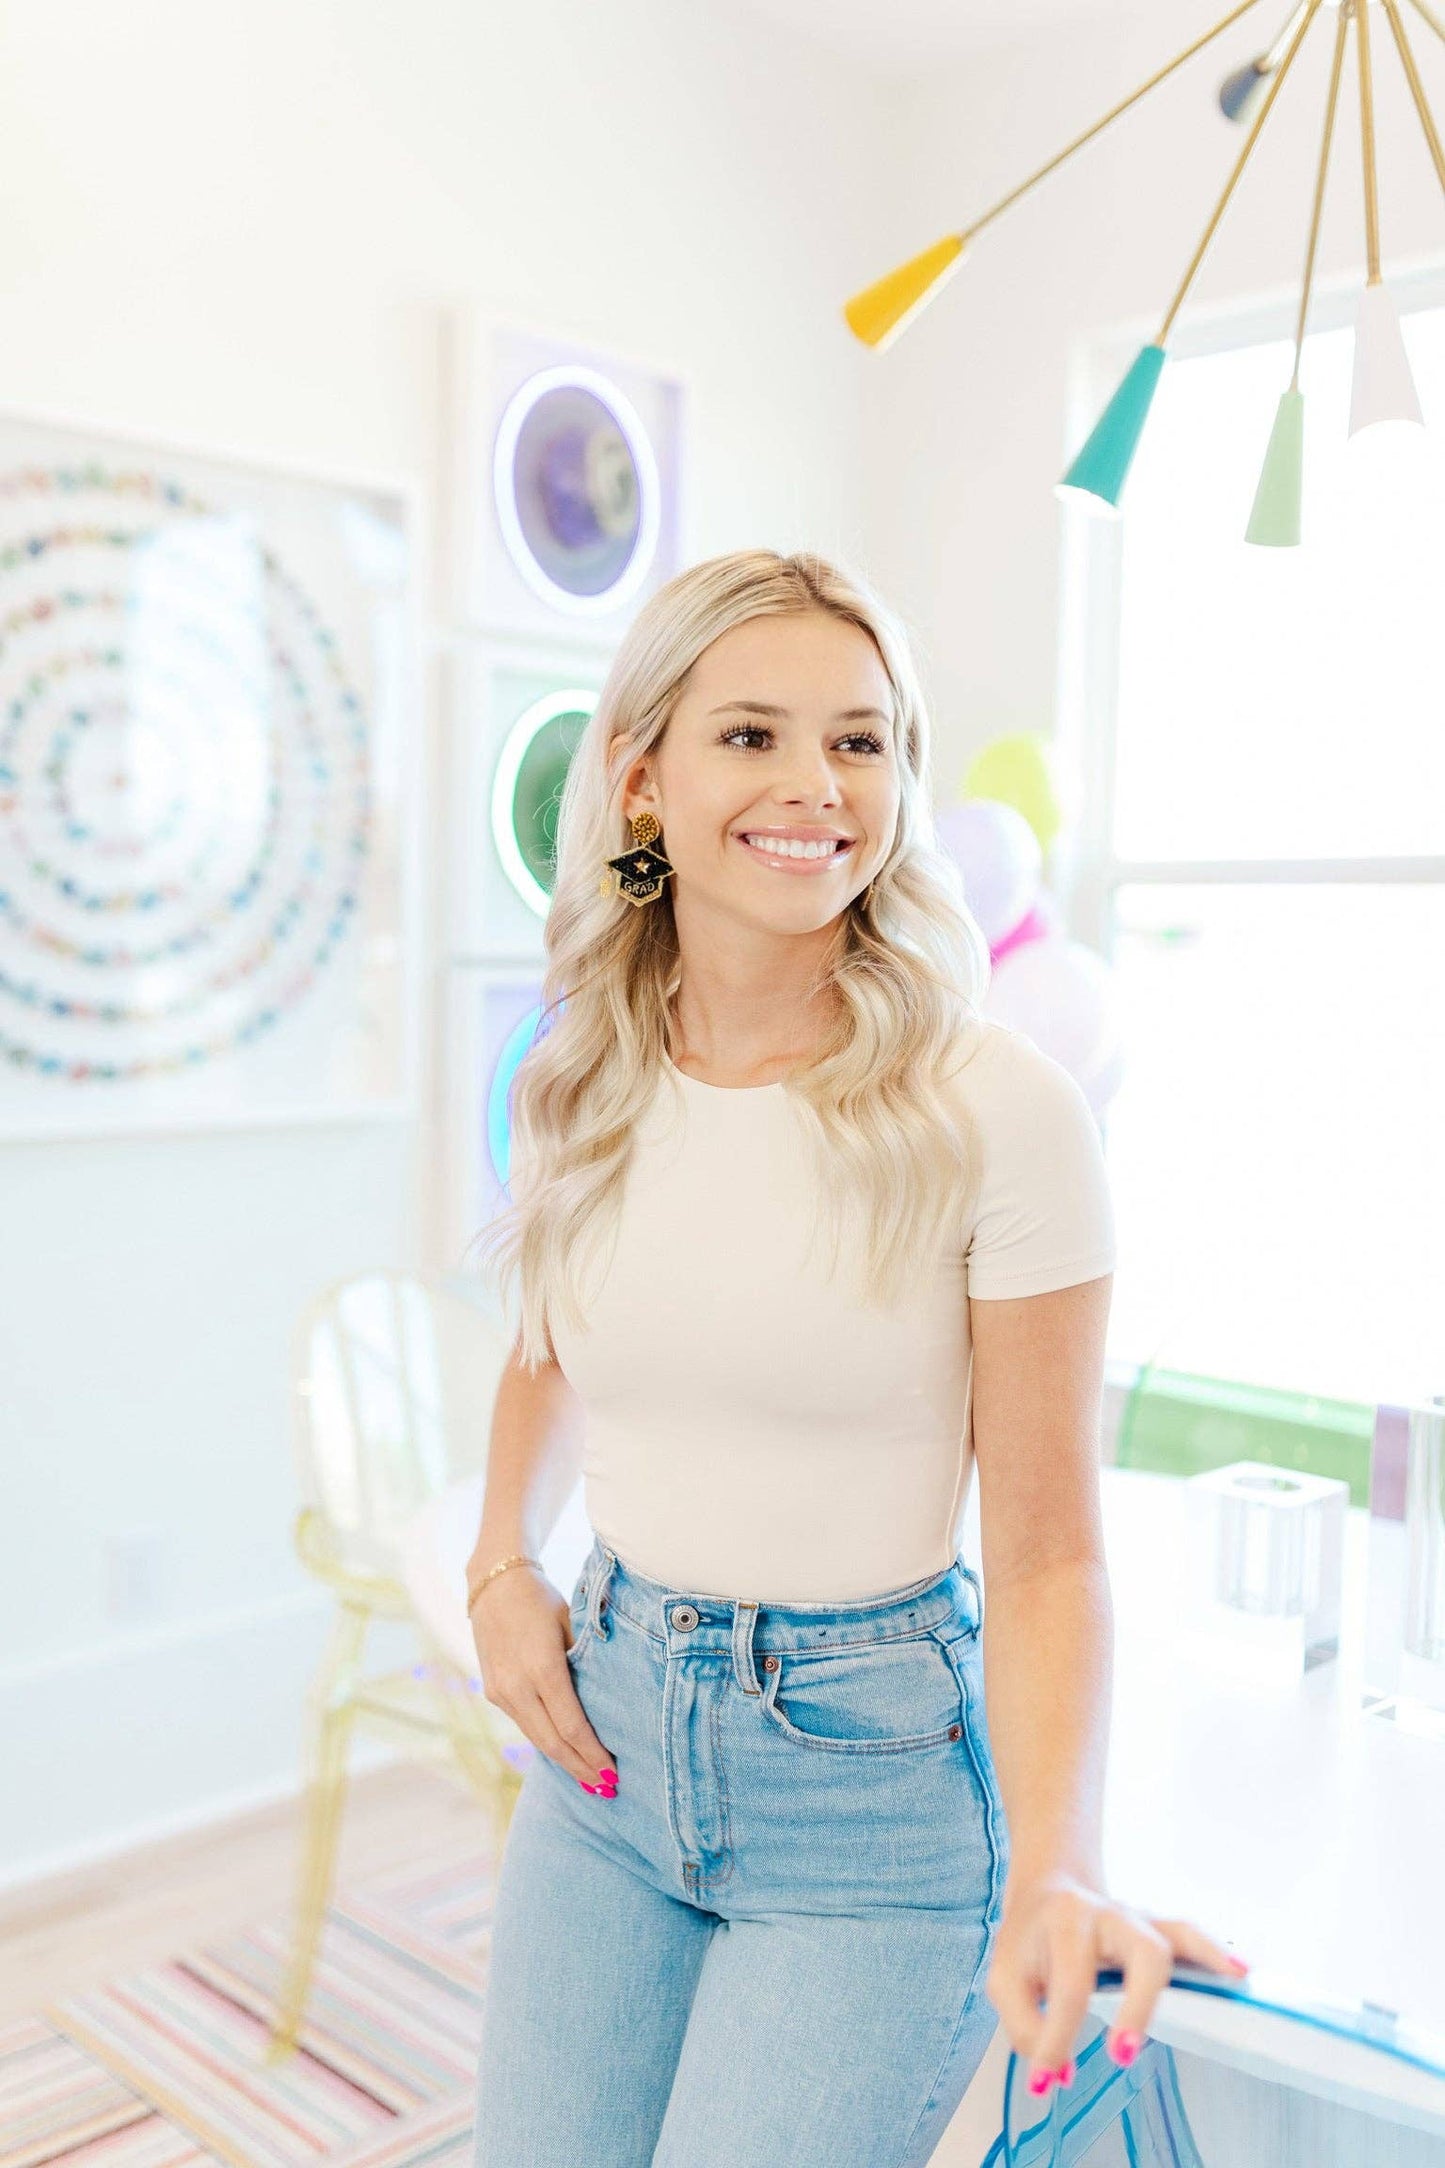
x=899, y=37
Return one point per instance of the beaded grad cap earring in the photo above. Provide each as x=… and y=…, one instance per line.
x=640, y=872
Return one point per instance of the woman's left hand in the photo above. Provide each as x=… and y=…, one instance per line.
x=1055, y=1935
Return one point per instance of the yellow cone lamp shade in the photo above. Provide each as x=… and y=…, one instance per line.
x=1275, y=517
x=1382, y=389
x=1098, y=471
x=880, y=312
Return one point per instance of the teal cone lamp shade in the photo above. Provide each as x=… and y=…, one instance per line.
x=1099, y=469
x=1275, y=518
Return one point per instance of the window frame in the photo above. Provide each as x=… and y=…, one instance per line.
x=1089, y=874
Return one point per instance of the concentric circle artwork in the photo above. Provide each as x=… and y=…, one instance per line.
x=577, y=489
x=185, y=798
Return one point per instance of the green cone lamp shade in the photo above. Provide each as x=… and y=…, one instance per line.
x=1275, y=518
x=1099, y=469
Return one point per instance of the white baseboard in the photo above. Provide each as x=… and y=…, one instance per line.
x=165, y=1733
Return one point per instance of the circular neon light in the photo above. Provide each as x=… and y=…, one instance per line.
x=516, y=1045
x=587, y=482
x=519, y=741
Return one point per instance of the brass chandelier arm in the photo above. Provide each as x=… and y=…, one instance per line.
x=1361, y=11
x=1268, y=62
x=1004, y=202
x=1311, y=9
x=1342, y=31
x=1431, y=18
x=1417, y=88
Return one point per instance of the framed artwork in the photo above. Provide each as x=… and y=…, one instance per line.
x=567, y=507
x=514, y=719
x=209, y=787
x=491, y=1015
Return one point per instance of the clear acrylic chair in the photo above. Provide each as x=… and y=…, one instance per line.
x=393, y=1383
x=1258, y=2075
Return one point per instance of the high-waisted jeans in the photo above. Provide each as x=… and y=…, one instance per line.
x=769, y=1950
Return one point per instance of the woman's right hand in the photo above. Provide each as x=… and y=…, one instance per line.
x=521, y=1626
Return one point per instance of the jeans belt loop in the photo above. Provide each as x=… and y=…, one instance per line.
x=601, y=1582
x=744, y=1621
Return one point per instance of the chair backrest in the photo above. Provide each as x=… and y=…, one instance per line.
x=1245, y=2077
x=394, y=1377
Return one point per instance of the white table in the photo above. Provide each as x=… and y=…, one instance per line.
x=1279, y=1816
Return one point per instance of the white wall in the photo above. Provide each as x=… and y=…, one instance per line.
x=967, y=411
x=239, y=223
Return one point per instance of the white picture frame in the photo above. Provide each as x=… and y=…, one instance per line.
x=211, y=786
x=490, y=1013
x=619, y=449
x=507, y=708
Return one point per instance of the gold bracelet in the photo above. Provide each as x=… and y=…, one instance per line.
x=517, y=1559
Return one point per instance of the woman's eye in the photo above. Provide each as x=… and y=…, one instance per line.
x=865, y=738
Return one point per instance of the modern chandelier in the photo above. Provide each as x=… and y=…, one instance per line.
x=1382, y=388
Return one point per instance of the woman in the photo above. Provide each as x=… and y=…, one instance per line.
x=772, y=1874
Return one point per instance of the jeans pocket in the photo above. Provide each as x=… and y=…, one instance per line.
x=876, y=1697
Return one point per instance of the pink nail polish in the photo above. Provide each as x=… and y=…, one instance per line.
x=1041, y=2081
x=1066, y=2075
x=1125, y=2047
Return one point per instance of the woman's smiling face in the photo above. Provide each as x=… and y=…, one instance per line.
x=784, y=730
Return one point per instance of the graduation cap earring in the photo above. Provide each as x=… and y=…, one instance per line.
x=640, y=872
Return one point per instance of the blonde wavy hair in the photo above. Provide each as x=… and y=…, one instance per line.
x=909, y=966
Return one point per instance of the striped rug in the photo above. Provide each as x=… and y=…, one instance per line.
x=165, y=2067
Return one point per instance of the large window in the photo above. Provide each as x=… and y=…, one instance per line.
x=1261, y=736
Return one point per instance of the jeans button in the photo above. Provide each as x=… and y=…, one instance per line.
x=684, y=1617
x=770, y=1663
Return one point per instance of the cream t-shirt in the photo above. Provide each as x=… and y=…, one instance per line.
x=752, y=1429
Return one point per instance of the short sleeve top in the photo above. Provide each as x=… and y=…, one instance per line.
x=752, y=1429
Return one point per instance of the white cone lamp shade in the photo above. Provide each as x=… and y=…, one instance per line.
x=1383, y=389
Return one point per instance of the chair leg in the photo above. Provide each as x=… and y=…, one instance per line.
x=492, y=1777
x=331, y=1717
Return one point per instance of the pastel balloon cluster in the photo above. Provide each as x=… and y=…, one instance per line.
x=1055, y=990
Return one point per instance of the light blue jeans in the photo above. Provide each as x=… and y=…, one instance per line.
x=768, y=1951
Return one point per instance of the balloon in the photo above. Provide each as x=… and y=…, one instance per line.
x=1060, y=995
x=998, y=855
x=1036, y=922
x=1015, y=770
